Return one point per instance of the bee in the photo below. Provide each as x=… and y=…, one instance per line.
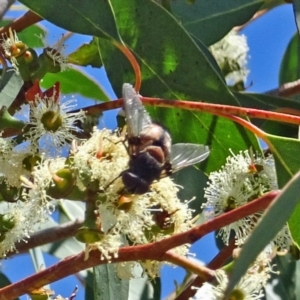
x=152, y=155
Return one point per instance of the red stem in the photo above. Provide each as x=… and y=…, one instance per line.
x=29, y=18
x=216, y=263
x=133, y=62
x=216, y=109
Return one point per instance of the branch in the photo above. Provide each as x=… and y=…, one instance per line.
x=197, y=281
x=286, y=90
x=191, y=265
x=46, y=236
x=29, y=18
x=152, y=251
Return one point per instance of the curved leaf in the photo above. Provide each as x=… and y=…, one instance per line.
x=286, y=155
x=10, y=85
x=74, y=81
x=94, y=17
x=166, y=52
x=4, y=280
x=174, y=67
x=219, y=134
x=87, y=54
x=192, y=182
x=107, y=284
x=211, y=20
x=289, y=68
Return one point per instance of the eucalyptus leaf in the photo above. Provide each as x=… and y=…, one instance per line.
x=95, y=17
x=10, y=85
x=284, y=288
x=286, y=155
x=75, y=81
x=211, y=20
x=107, y=284
x=192, y=182
x=87, y=54
x=290, y=64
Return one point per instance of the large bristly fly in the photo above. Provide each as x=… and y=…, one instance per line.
x=152, y=155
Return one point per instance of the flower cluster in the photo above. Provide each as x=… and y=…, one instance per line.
x=94, y=167
x=231, y=54
x=242, y=179
x=27, y=63
x=250, y=286
x=141, y=218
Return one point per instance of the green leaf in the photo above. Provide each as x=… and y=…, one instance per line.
x=282, y=283
x=211, y=20
x=10, y=86
x=281, y=209
x=4, y=281
x=7, y=121
x=193, y=182
x=107, y=284
x=296, y=6
x=266, y=102
x=152, y=289
x=74, y=81
x=174, y=67
x=270, y=103
x=294, y=225
x=87, y=54
x=172, y=64
x=286, y=155
x=33, y=36
x=93, y=17
x=89, y=282
x=290, y=64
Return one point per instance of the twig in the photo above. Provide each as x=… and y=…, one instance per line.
x=29, y=18
x=47, y=236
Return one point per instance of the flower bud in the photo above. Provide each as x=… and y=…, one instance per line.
x=88, y=235
x=64, y=182
x=124, y=203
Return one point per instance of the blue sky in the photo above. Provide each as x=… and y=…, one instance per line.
x=267, y=39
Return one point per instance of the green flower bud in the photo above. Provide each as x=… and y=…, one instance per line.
x=88, y=235
x=64, y=182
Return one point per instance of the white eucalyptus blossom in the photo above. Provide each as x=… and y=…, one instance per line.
x=52, y=122
x=249, y=287
x=142, y=218
x=242, y=179
x=56, y=53
x=231, y=54
x=12, y=47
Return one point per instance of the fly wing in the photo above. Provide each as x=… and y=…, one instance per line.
x=137, y=117
x=184, y=155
